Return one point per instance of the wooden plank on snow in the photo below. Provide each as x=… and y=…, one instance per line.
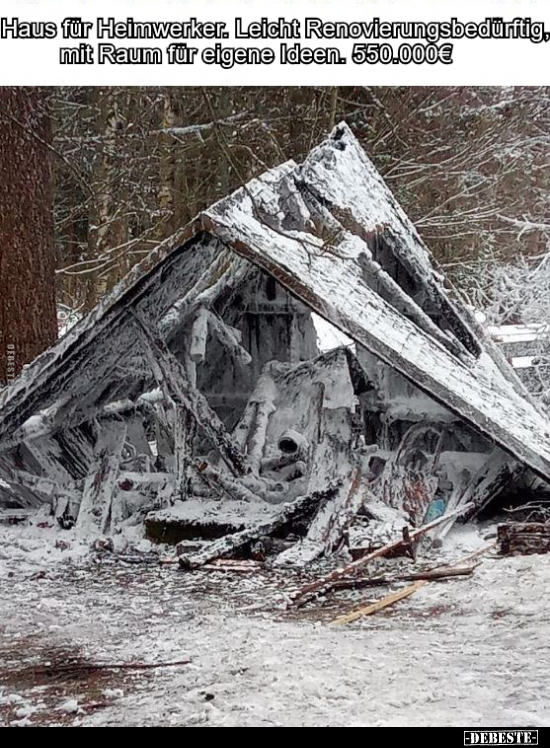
x=385, y=602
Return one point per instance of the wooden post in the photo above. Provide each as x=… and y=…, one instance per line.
x=257, y=435
x=98, y=513
x=199, y=336
x=183, y=429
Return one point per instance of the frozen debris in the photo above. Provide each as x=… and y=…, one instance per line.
x=287, y=379
x=34, y=426
x=326, y=583
x=523, y=538
x=153, y=397
x=420, y=580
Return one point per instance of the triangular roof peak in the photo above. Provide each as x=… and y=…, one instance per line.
x=334, y=235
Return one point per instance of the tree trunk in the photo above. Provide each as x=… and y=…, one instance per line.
x=28, y=320
x=108, y=232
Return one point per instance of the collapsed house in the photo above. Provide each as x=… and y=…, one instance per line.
x=195, y=397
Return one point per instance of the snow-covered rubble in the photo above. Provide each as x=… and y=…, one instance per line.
x=37, y=544
x=471, y=651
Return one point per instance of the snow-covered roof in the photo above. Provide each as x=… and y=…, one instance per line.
x=317, y=228
x=522, y=362
x=331, y=280
x=516, y=333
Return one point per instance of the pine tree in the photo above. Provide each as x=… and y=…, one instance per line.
x=28, y=323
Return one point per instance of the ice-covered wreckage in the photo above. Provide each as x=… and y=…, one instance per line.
x=195, y=399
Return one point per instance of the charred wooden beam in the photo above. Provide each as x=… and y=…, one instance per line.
x=183, y=434
x=430, y=575
x=232, y=544
x=229, y=338
x=165, y=436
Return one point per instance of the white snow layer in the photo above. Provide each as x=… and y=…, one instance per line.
x=471, y=651
x=39, y=542
x=330, y=337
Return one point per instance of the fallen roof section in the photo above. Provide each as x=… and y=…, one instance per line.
x=330, y=279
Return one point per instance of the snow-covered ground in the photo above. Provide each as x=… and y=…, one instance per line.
x=472, y=652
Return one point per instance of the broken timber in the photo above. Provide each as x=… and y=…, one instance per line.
x=421, y=580
x=325, y=584
x=428, y=576
x=385, y=602
x=328, y=526
x=232, y=544
x=499, y=471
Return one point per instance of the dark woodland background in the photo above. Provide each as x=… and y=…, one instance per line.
x=92, y=179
